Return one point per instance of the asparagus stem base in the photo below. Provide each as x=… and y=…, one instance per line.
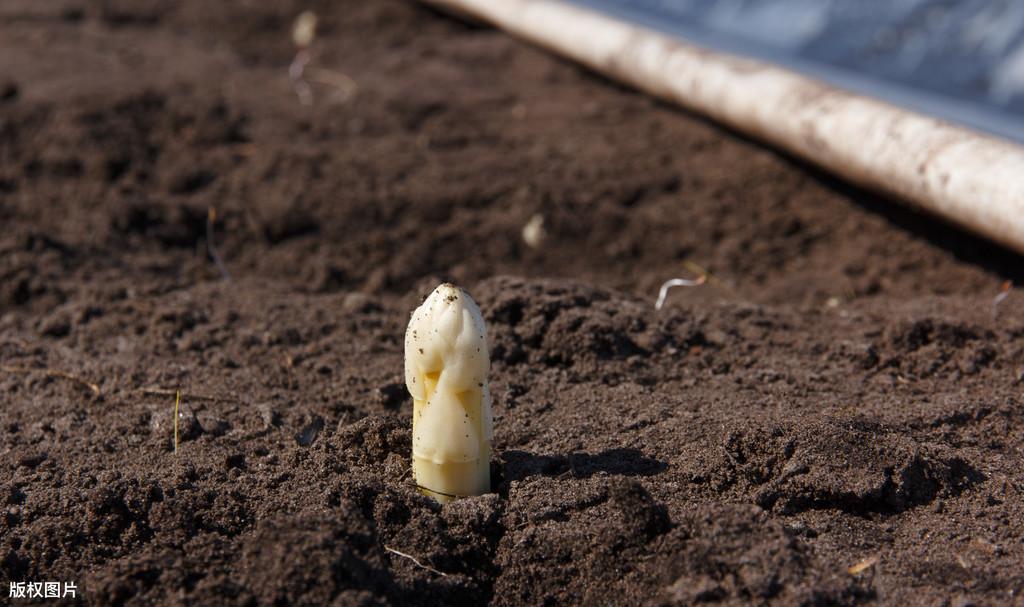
x=445, y=482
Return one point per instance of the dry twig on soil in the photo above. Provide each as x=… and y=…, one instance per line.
x=177, y=403
x=188, y=395
x=54, y=373
x=863, y=566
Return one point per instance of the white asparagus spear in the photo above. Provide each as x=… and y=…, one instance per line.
x=446, y=364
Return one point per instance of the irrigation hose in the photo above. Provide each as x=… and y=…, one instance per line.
x=968, y=178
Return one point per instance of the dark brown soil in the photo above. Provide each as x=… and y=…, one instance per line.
x=836, y=420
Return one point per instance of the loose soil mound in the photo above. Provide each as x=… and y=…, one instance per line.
x=835, y=419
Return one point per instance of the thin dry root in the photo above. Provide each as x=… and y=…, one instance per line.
x=677, y=282
x=55, y=373
x=414, y=560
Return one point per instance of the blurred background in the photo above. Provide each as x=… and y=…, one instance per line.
x=962, y=60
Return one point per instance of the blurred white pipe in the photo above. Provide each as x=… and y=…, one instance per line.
x=968, y=178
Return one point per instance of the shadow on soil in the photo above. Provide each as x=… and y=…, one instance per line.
x=963, y=245
x=519, y=465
